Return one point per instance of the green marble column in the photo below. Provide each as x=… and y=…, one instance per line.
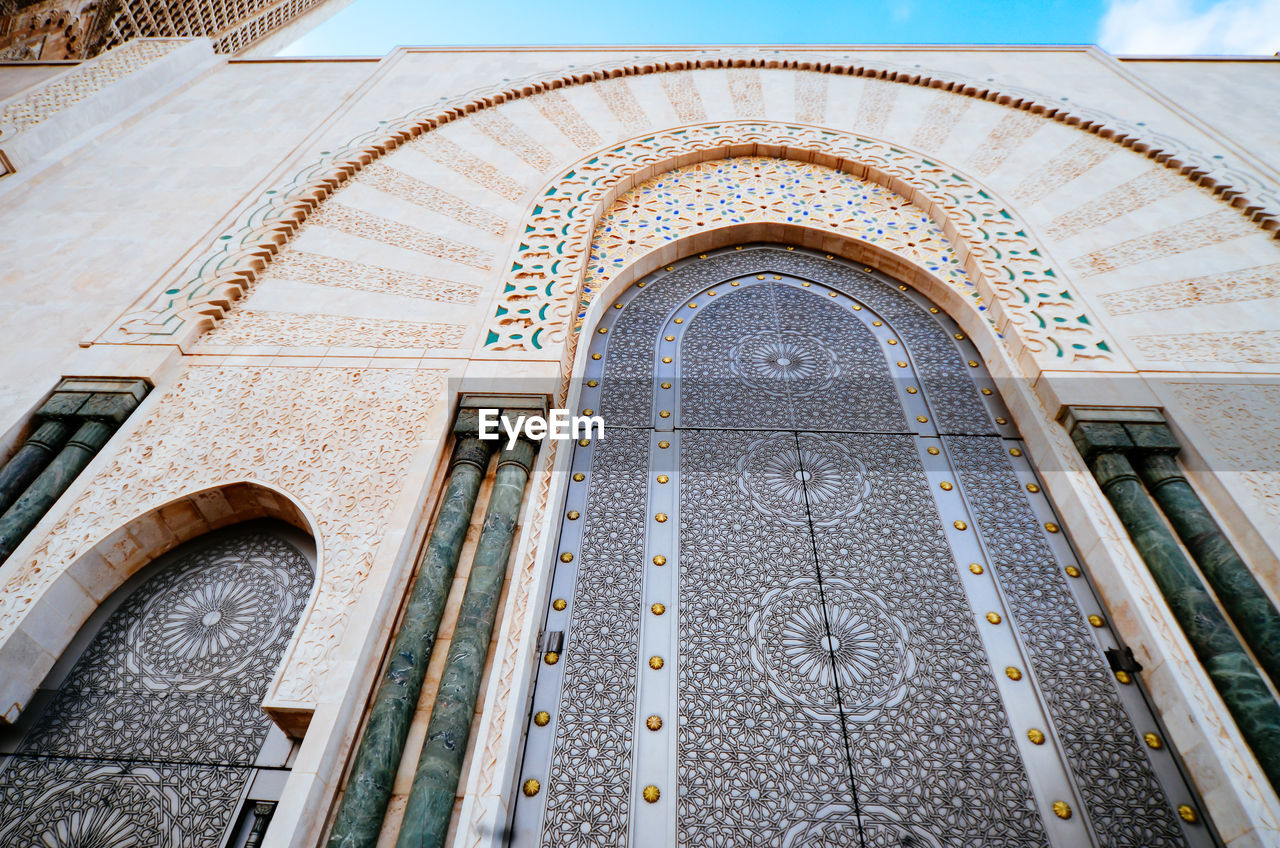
x=1233, y=673
x=1239, y=592
x=435, y=783
x=30, y=460
x=27, y=511
x=364, y=803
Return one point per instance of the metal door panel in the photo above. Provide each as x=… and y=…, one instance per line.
x=866, y=636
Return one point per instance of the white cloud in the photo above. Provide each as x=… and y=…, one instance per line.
x=1178, y=27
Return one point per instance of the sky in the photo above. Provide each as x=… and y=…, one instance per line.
x=1124, y=27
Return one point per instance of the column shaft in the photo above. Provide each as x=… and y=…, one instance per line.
x=1243, y=598
x=368, y=790
x=30, y=460
x=27, y=511
x=1234, y=675
x=435, y=783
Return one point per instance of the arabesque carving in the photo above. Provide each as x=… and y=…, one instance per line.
x=338, y=440
x=1013, y=276
x=234, y=261
x=82, y=81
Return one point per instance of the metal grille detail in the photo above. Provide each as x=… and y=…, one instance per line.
x=151, y=736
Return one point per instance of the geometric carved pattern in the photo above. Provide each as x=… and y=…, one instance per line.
x=682, y=92
x=321, y=270
x=589, y=788
x=1122, y=793
x=357, y=222
x=626, y=390
x=1211, y=229
x=760, y=749
x=1011, y=131
x=825, y=640
x=453, y=157
x=289, y=329
x=501, y=129
x=811, y=98
x=82, y=81
x=557, y=109
x=385, y=178
x=1257, y=283
x=1124, y=198
x=617, y=95
x=1242, y=422
x=149, y=739
x=337, y=440
x=745, y=92
x=1077, y=159
x=753, y=189
x=1260, y=346
x=544, y=290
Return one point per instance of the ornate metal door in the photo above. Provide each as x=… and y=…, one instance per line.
x=152, y=736
x=809, y=593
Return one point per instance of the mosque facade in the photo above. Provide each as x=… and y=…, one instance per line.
x=918, y=482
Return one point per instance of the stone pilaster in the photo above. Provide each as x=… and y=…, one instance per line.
x=1237, y=589
x=30, y=459
x=95, y=409
x=435, y=783
x=1107, y=445
x=369, y=787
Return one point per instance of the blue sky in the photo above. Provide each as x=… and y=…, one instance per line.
x=373, y=27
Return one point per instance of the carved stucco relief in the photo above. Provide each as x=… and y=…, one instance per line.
x=1243, y=426
x=1015, y=278
x=235, y=260
x=338, y=440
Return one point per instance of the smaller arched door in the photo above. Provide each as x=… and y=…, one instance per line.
x=150, y=730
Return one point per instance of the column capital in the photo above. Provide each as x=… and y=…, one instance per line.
x=1118, y=429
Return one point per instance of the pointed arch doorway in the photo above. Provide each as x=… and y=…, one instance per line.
x=808, y=592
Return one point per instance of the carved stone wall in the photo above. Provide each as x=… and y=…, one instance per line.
x=338, y=440
x=81, y=82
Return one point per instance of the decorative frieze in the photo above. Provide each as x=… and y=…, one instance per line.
x=1009, y=133
x=621, y=100
x=1125, y=198
x=343, y=273
x=82, y=81
x=1261, y=346
x=557, y=109
x=397, y=183
x=1205, y=231
x=291, y=329
x=498, y=127
x=682, y=93
x=811, y=98
x=1256, y=283
x=1082, y=155
x=875, y=105
x=746, y=93
x=453, y=157
x=942, y=116
x=357, y=222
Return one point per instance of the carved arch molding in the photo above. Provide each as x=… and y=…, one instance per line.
x=221, y=275
x=1028, y=301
